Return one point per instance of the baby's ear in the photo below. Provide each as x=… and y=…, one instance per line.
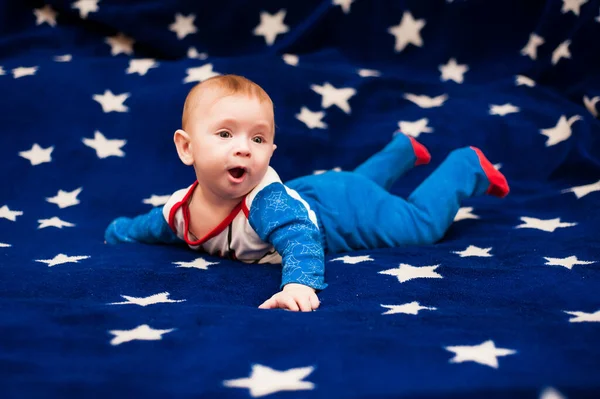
x=184, y=147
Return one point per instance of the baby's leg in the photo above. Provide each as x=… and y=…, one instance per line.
x=400, y=155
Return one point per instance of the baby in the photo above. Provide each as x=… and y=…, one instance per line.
x=238, y=207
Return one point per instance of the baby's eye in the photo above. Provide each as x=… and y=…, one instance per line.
x=224, y=134
x=258, y=140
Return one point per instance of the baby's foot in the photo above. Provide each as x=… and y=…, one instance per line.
x=498, y=184
x=420, y=151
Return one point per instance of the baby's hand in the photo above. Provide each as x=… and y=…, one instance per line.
x=293, y=297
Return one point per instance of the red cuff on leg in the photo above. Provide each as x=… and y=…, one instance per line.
x=498, y=184
x=423, y=156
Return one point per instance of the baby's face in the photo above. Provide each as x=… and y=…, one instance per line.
x=232, y=143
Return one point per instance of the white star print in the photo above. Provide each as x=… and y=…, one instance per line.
x=264, y=380
x=183, y=26
x=572, y=5
x=3, y=245
x=406, y=272
x=551, y=393
x=271, y=25
x=485, y=353
x=453, y=71
x=193, y=53
x=162, y=297
x=408, y=31
x=353, y=259
x=111, y=102
x=65, y=199
x=85, y=7
x=45, y=14
x=521, y=80
x=143, y=332
x=502, y=110
x=311, y=119
x=567, y=262
x=560, y=132
x=473, y=250
x=333, y=96
x=530, y=48
x=548, y=225
x=120, y=44
x=582, y=191
x=157, y=200
x=6, y=213
x=63, y=58
x=407, y=308
x=104, y=147
x=590, y=104
x=24, y=71
x=415, y=128
x=366, y=73
x=465, y=213
x=141, y=66
x=290, y=59
x=426, y=101
x=2, y=72
x=200, y=74
x=321, y=171
x=198, y=263
x=62, y=258
x=598, y=18
x=38, y=155
x=562, y=51
x=345, y=4
x=53, y=222
x=583, y=316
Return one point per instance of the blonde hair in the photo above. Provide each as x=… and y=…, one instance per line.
x=227, y=85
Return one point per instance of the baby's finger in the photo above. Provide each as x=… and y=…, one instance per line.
x=314, y=301
x=304, y=303
x=270, y=303
x=288, y=303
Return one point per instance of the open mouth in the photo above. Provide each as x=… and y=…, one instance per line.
x=237, y=173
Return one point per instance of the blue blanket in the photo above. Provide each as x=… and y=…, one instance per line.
x=506, y=305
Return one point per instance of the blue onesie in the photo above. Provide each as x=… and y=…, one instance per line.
x=296, y=223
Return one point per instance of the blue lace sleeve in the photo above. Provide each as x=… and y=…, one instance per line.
x=283, y=221
x=150, y=228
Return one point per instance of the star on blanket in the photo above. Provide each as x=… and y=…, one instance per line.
x=352, y=260
x=473, y=250
x=111, y=102
x=453, y=71
x=4, y=245
x=63, y=58
x=54, y=222
x=143, y=332
x=562, y=51
x=37, y=155
x=6, y=213
x=311, y=119
x=548, y=225
x=198, y=263
x=183, y=26
x=162, y=297
x=141, y=66
x=45, y=14
x=85, y=7
x=24, y=71
x=156, y=200
x=290, y=59
x=408, y=31
x=271, y=25
x=573, y=6
x=485, y=353
x=345, y=4
x=502, y=110
x=532, y=45
x=367, y=73
x=334, y=96
x=567, y=262
x=522, y=80
x=551, y=393
x=104, y=147
x=62, y=258
x=560, y=132
x=582, y=191
x=65, y=199
x=415, y=128
x=200, y=74
x=408, y=308
x=583, y=316
x=424, y=101
x=465, y=213
x=264, y=380
x=590, y=104
x=406, y=272
x=120, y=44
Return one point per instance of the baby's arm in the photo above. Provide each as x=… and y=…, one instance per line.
x=149, y=228
x=284, y=221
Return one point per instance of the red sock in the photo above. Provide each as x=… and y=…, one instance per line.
x=498, y=184
x=421, y=152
